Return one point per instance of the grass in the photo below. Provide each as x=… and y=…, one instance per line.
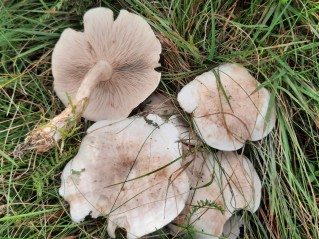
x=278, y=41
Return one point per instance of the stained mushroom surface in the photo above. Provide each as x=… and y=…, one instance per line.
x=227, y=107
x=130, y=171
x=221, y=184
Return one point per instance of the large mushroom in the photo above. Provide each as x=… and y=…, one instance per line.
x=130, y=171
x=221, y=184
x=227, y=107
x=101, y=73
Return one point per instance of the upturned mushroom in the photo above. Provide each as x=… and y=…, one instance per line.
x=227, y=107
x=105, y=71
x=221, y=184
x=129, y=171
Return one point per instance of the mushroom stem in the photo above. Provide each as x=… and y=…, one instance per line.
x=47, y=136
x=101, y=69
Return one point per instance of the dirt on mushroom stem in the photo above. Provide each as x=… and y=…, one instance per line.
x=47, y=136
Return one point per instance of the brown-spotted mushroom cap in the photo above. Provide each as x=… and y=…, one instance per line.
x=225, y=107
x=128, y=170
x=112, y=61
x=227, y=180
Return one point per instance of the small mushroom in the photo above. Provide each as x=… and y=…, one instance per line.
x=226, y=107
x=106, y=71
x=231, y=229
x=163, y=106
x=221, y=184
x=128, y=170
x=187, y=136
x=160, y=105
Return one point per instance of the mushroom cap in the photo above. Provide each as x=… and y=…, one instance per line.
x=225, y=107
x=128, y=44
x=227, y=179
x=239, y=174
x=127, y=170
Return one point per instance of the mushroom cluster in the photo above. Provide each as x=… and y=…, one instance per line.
x=151, y=170
x=228, y=108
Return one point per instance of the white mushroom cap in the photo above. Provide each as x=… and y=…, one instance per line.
x=227, y=179
x=240, y=175
x=128, y=170
x=126, y=49
x=226, y=109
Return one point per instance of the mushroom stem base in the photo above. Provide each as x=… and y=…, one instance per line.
x=45, y=137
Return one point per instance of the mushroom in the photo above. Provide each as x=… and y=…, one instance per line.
x=160, y=105
x=231, y=229
x=227, y=107
x=128, y=170
x=187, y=136
x=105, y=71
x=220, y=185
